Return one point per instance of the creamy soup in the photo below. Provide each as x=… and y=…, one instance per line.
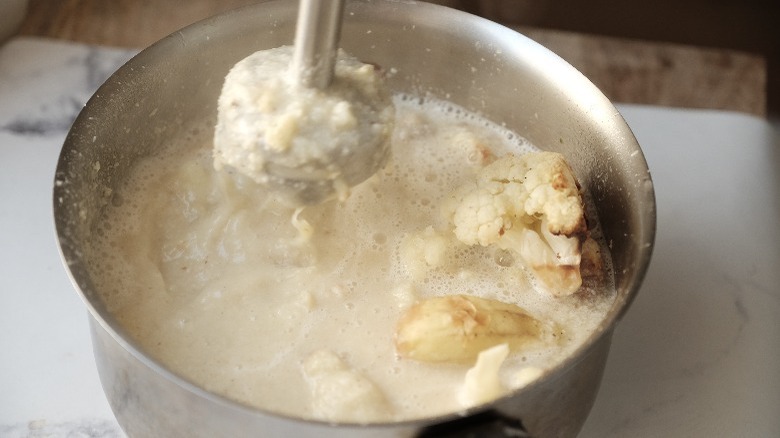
x=296, y=311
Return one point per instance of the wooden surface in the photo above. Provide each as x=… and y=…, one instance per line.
x=627, y=71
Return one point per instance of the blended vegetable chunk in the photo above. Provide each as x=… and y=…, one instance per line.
x=307, y=143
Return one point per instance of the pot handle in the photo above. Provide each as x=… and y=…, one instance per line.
x=488, y=424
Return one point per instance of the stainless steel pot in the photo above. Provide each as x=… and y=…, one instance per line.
x=170, y=90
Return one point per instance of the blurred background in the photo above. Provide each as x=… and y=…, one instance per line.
x=752, y=26
x=721, y=54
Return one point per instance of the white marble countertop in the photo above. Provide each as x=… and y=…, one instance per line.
x=698, y=354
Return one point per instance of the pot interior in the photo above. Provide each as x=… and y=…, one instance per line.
x=169, y=91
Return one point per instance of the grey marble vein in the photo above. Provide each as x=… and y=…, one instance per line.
x=85, y=428
x=43, y=95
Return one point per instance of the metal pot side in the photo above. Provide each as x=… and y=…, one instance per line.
x=169, y=91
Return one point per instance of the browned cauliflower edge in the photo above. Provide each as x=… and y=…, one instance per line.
x=531, y=205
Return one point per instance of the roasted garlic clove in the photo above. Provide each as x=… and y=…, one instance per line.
x=456, y=328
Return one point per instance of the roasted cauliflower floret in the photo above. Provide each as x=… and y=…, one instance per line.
x=529, y=204
x=482, y=382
